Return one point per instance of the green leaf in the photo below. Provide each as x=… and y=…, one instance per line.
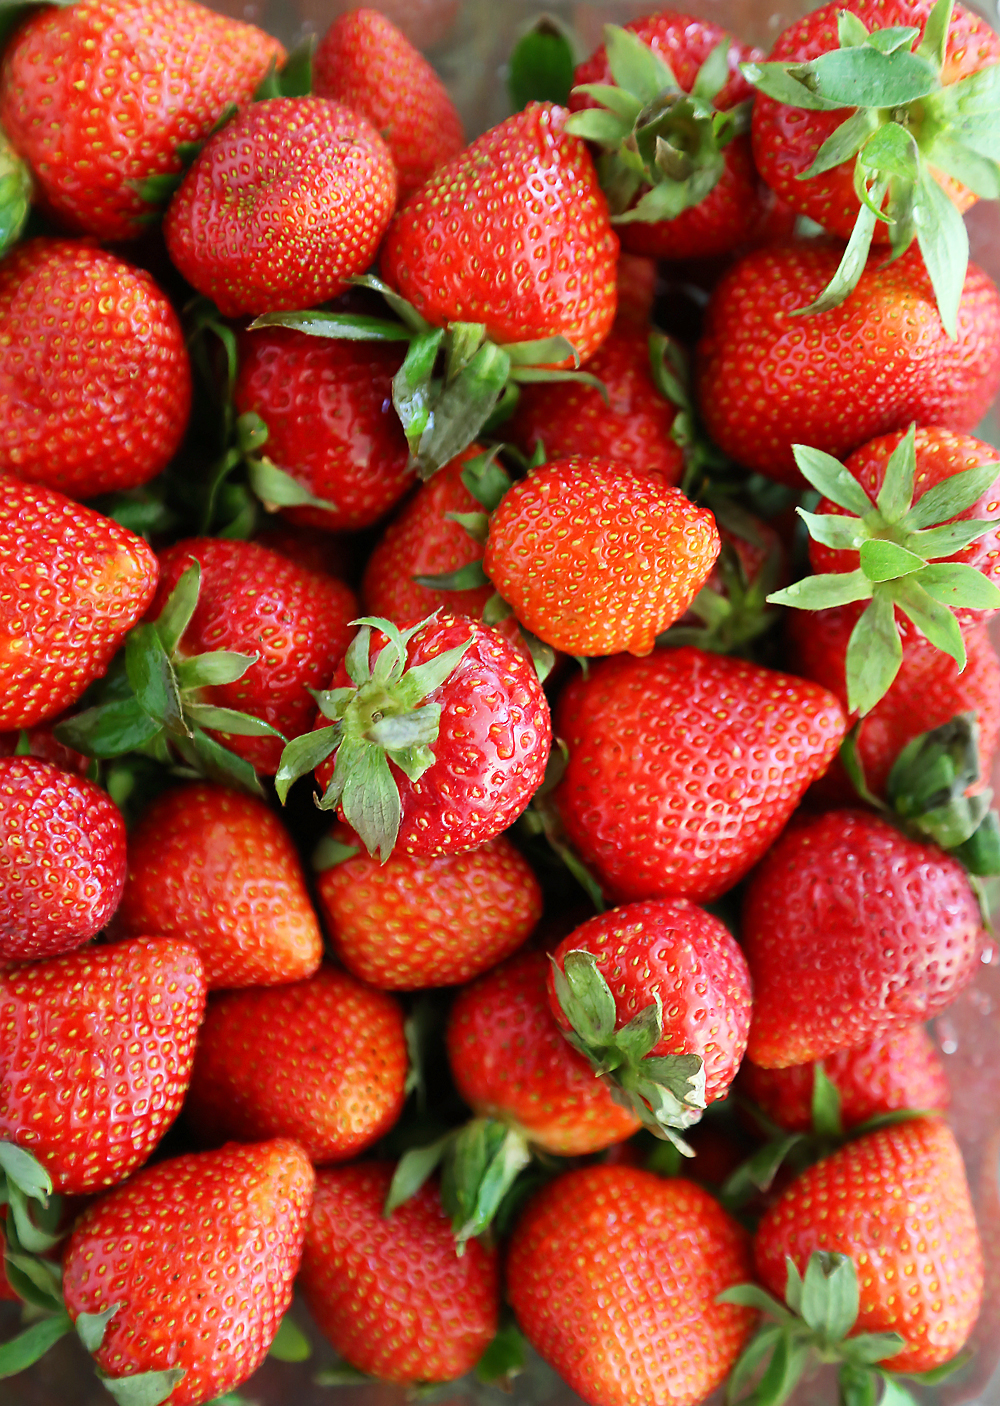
x=851, y=31
x=30, y=1237
x=369, y=796
x=635, y=66
x=152, y=678
x=753, y=1296
x=296, y=73
x=944, y=244
x=956, y=584
x=953, y=496
x=823, y=591
x=540, y=68
x=826, y=1115
x=933, y=620
x=874, y=655
x=404, y=310
x=892, y=150
x=875, y=1347
x=109, y=729
x=277, y=489
x=835, y=530
x=176, y=614
x=210, y=759
x=934, y=43
x=754, y=1355
x=981, y=851
x=887, y=41
x=980, y=173
x=402, y=730
x=486, y=1159
x=757, y=1173
x=830, y=1298
x=843, y=143
x=342, y=1374
x=412, y=393
x=341, y=326
x=893, y=1394
x=22, y=1352
x=623, y=105
x=596, y=124
x=829, y=477
x=35, y=1281
x=585, y=998
x=713, y=75
x=143, y=1389
x=413, y=1169
x=462, y=409
x=543, y=656
x=642, y=1033
x=949, y=538
x=290, y=1344
x=23, y=1170
x=466, y=578
x=858, y=1385
x=15, y=193
x=330, y=852
x=504, y=1359
x=91, y=1327
x=896, y=494
x=542, y=352
x=210, y=670
x=882, y=560
x=228, y=720
x=423, y=679
x=855, y=256
x=778, y=82
x=304, y=754
x=862, y=76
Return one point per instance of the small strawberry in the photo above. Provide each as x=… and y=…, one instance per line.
x=97, y=1056
x=411, y=923
x=62, y=859
x=72, y=583
x=283, y=205
x=366, y=63
x=392, y=1293
x=685, y=766
x=614, y=1274
x=215, y=868
x=322, y=1061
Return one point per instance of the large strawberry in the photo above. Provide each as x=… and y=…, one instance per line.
x=71, y=585
x=68, y=79
x=768, y=379
x=282, y=207
x=614, y=1274
x=111, y=415
x=97, y=1056
x=684, y=767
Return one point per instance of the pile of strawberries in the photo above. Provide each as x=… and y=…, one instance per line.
x=495, y=700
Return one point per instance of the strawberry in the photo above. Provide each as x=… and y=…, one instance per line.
x=366, y=63
x=768, y=379
x=327, y=553
x=323, y=1061
x=62, y=859
x=283, y=205
x=412, y=923
x=596, y=559
x=110, y=416
x=684, y=768
x=217, y=869
x=898, y=1069
x=73, y=583
x=42, y=743
x=67, y=79
x=730, y=611
x=391, y=1293
x=97, y=1050
x=613, y=1274
x=816, y=916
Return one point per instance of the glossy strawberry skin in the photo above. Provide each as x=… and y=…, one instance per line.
x=897, y=1203
x=253, y=601
x=328, y=409
x=767, y=379
x=217, y=869
x=366, y=63
x=391, y=1293
x=211, y=1240
x=322, y=1061
x=851, y=930
x=658, y=1253
x=283, y=206
x=509, y=1061
x=67, y=78
x=675, y=950
x=684, y=767
x=412, y=923
x=97, y=1056
x=73, y=584
x=549, y=269
x=110, y=415
x=633, y=429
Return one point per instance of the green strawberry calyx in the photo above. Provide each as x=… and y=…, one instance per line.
x=666, y=1092
x=662, y=147
x=383, y=716
x=16, y=188
x=899, y=544
x=907, y=128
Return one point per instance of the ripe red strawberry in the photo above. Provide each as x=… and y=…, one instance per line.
x=62, y=859
x=768, y=379
x=97, y=1056
x=633, y=428
x=437, y=1309
x=254, y=602
x=595, y=558
x=366, y=63
x=67, y=79
x=322, y=1061
x=217, y=869
x=852, y=929
x=73, y=584
x=549, y=267
x=282, y=207
x=899, y=1069
x=613, y=1274
x=210, y=1241
x=510, y=1062
x=43, y=744
x=111, y=415
x=411, y=923
x=684, y=768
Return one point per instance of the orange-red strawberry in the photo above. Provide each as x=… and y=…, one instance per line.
x=596, y=558
x=366, y=63
x=282, y=207
x=198, y=1253
x=613, y=1274
x=322, y=1061
x=111, y=414
x=69, y=79
x=411, y=923
x=392, y=1293
x=217, y=869
x=72, y=583
x=62, y=859
x=97, y=1056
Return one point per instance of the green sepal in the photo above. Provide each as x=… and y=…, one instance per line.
x=156, y=191
x=541, y=64
x=294, y=78
x=504, y=1359
x=22, y=1352
x=289, y=1343
x=350, y=327
x=277, y=489
x=464, y=578
x=143, y=1389
x=331, y=852
x=15, y=194
x=21, y=1169
x=91, y=1327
